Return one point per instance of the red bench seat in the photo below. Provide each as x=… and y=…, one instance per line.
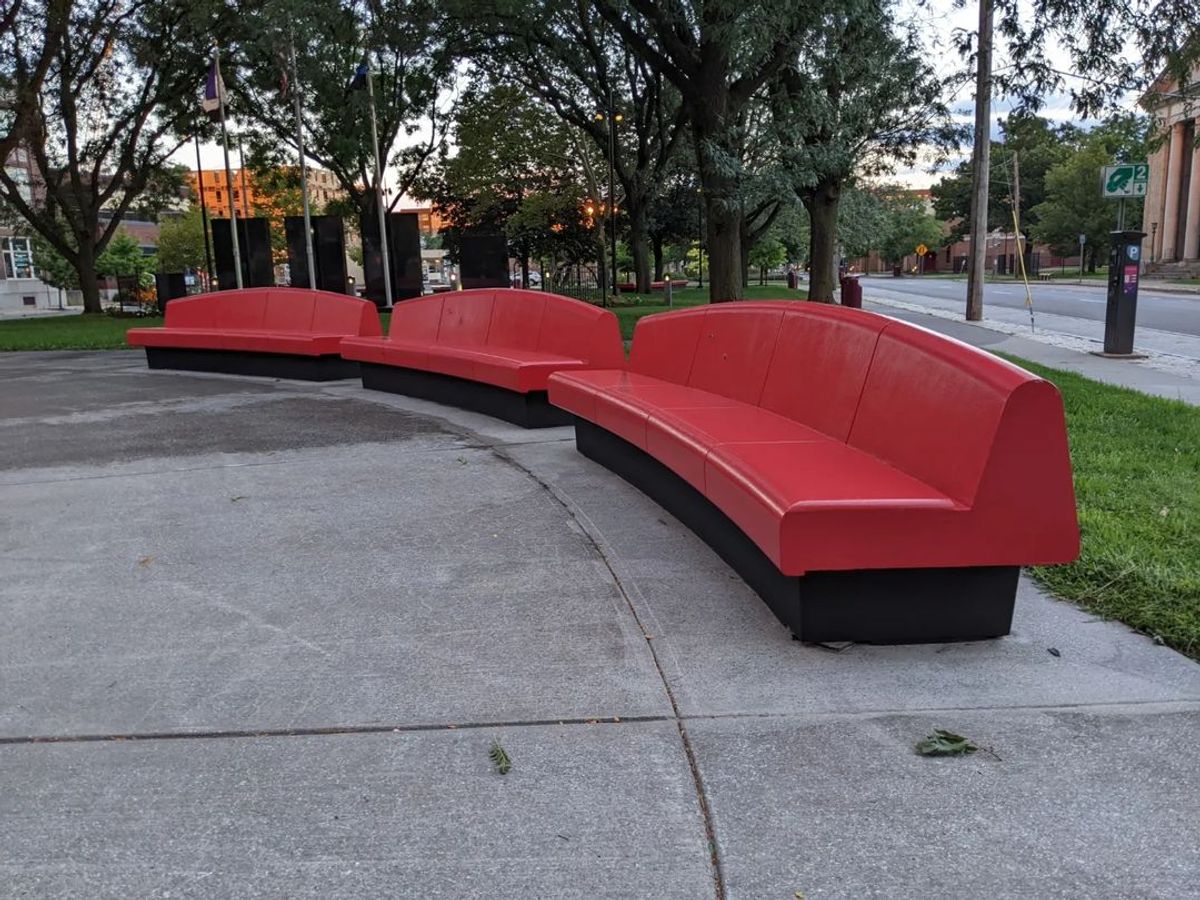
x=498, y=346
x=282, y=332
x=839, y=441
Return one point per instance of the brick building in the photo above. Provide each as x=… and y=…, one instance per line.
x=256, y=200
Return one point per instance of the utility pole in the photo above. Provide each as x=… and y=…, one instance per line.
x=981, y=160
x=242, y=178
x=1016, y=203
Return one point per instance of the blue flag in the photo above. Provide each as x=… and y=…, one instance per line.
x=359, y=81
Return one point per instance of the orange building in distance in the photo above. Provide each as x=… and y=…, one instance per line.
x=322, y=188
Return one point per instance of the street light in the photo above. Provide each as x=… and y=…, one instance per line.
x=612, y=117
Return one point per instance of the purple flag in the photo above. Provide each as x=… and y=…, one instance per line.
x=214, y=90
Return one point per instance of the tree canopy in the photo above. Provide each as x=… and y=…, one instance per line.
x=118, y=99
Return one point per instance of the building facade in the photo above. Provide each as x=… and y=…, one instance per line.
x=1171, y=215
x=20, y=286
x=253, y=199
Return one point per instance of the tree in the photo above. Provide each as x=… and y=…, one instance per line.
x=768, y=253
x=907, y=225
x=1074, y=205
x=31, y=35
x=674, y=217
x=510, y=150
x=411, y=59
x=119, y=94
x=718, y=54
x=862, y=216
x=558, y=52
x=860, y=98
x=1039, y=145
x=124, y=256
x=52, y=268
x=181, y=242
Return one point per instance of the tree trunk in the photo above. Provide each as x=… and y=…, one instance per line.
x=822, y=205
x=639, y=248
x=744, y=248
x=602, y=268
x=88, y=280
x=656, y=247
x=723, y=246
x=722, y=218
x=524, y=269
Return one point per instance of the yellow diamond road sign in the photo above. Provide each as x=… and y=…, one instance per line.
x=922, y=249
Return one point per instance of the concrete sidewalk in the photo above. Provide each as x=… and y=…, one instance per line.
x=261, y=636
x=1171, y=369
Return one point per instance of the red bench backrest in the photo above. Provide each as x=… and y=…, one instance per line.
x=806, y=361
x=276, y=310
x=931, y=406
x=516, y=319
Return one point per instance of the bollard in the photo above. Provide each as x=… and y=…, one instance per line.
x=851, y=292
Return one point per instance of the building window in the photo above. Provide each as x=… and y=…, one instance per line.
x=18, y=257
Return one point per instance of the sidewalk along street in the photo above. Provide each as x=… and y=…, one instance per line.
x=1171, y=367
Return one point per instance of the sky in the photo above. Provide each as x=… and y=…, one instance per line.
x=937, y=19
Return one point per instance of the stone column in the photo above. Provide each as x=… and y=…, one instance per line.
x=1191, y=234
x=1170, y=225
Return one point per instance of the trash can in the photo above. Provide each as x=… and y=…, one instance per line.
x=791, y=279
x=851, y=292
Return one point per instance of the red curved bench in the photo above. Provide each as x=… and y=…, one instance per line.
x=490, y=350
x=871, y=479
x=276, y=332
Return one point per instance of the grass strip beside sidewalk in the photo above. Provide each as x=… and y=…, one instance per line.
x=1137, y=483
x=71, y=332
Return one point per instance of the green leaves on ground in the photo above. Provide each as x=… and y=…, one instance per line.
x=500, y=758
x=945, y=743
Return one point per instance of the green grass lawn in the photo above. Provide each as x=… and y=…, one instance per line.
x=1137, y=482
x=75, y=332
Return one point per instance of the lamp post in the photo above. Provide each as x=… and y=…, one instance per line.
x=590, y=208
x=612, y=117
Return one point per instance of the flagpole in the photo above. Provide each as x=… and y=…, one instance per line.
x=237, y=253
x=308, y=241
x=208, y=267
x=242, y=178
x=383, y=242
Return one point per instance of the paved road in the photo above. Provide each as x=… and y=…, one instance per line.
x=1179, y=313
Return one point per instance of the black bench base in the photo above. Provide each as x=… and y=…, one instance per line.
x=881, y=606
x=264, y=365
x=530, y=410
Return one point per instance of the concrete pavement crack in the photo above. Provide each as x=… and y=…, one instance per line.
x=587, y=528
x=316, y=731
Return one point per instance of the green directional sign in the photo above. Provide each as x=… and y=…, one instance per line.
x=1126, y=180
